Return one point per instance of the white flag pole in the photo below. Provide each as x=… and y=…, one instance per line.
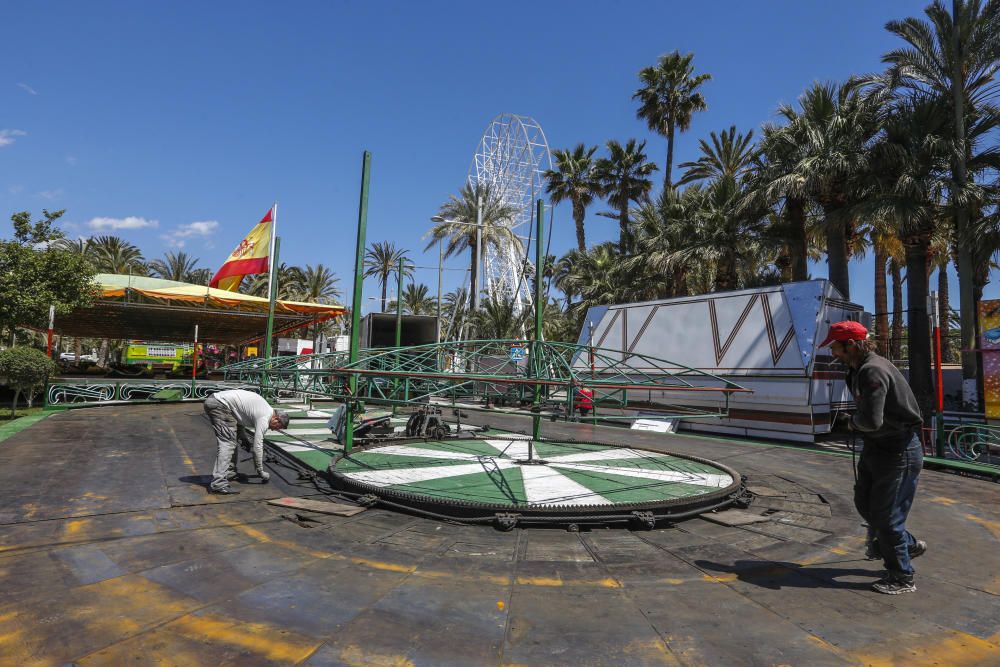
x=270, y=251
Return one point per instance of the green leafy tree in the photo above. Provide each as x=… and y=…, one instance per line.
x=25, y=370
x=382, y=261
x=668, y=98
x=36, y=273
x=624, y=178
x=573, y=180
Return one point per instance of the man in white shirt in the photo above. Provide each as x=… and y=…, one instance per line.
x=228, y=410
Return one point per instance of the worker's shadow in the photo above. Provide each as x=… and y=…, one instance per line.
x=197, y=480
x=778, y=574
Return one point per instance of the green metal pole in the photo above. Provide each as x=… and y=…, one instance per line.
x=359, y=259
x=399, y=323
x=265, y=381
x=536, y=352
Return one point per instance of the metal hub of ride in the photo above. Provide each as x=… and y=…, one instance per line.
x=512, y=157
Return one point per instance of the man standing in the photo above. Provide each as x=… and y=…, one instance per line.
x=887, y=417
x=228, y=410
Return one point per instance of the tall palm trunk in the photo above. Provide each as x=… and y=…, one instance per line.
x=836, y=252
x=896, y=337
x=579, y=212
x=784, y=263
x=881, y=300
x=385, y=283
x=725, y=274
x=943, y=313
x=680, y=286
x=474, y=274
x=967, y=305
x=917, y=323
x=623, y=243
x=668, y=183
x=795, y=209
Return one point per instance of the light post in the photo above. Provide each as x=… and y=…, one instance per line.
x=440, y=266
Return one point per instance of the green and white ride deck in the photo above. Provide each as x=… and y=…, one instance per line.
x=501, y=471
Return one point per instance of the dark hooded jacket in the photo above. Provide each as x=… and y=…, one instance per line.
x=887, y=411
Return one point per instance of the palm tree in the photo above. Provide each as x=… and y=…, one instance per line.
x=954, y=57
x=887, y=247
x=454, y=309
x=82, y=247
x=909, y=165
x=499, y=319
x=457, y=224
x=382, y=261
x=896, y=332
x=664, y=228
x=599, y=277
x=773, y=181
x=112, y=254
x=623, y=177
x=834, y=130
x=289, y=283
x=318, y=285
x=668, y=98
x=416, y=300
x=199, y=276
x=174, y=266
x=730, y=155
x=573, y=180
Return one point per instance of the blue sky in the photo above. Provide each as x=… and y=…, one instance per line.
x=175, y=125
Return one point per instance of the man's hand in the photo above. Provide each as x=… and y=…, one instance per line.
x=842, y=422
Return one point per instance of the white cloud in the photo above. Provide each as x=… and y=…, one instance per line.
x=15, y=189
x=28, y=89
x=131, y=222
x=71, y=160
x=178, y=236
x=7, y=136
x=51, y=194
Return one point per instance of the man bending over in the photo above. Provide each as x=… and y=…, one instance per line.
x=234, y=408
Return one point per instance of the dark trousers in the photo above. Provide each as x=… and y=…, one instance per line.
x=883, y=494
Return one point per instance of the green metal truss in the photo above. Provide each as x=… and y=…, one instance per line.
x=488, y=370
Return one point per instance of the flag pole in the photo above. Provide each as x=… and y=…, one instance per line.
x=272, y=297
x=270, y=253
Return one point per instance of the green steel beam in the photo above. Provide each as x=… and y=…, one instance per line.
x=359, y=259
x=536, y=348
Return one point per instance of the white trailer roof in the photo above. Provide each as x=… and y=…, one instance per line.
x=769, y=330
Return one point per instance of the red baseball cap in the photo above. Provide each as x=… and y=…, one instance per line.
x=843, y=331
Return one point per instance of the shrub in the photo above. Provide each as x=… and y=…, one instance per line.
x=25, y=370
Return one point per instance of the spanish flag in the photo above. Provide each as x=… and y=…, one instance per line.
x=250, y=257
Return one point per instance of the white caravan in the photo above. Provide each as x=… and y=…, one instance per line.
x=763, y=339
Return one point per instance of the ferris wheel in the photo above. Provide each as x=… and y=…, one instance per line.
x=512, y=158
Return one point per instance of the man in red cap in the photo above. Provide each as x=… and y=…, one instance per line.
x=887, y=417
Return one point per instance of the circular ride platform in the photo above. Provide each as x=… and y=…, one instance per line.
x=555, y=481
